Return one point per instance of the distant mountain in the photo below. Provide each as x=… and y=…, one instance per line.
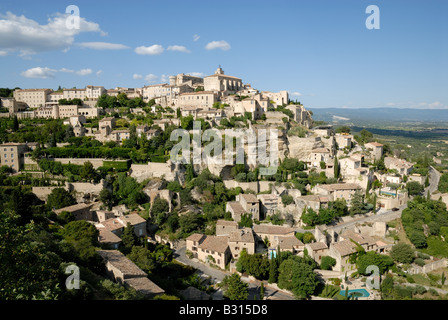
x=342, y=115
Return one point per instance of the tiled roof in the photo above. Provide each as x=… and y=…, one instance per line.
x=344, y=247
x=243, y=235
x=289, y=242
x=73, y=208
x=269, y=229
x=317, y=246
x=119, y=261
x=249, y=197
x=215, y=243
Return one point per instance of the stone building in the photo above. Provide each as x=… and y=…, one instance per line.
x=12, y=155
x=245, y=203
x=219, y=82
x=125, y=272
x=210, y=249
x=375, y=150
x=80, y=211
x=317, y=250
x=337, y=190
x=241, y=239
x=34, y=98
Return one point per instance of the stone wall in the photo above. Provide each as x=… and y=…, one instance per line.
x=43, y=192
x=256, y=186
x=141, y=172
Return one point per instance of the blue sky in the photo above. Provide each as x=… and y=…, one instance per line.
x=320, y=51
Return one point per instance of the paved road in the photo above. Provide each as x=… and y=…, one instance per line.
x=434, y=178
x=218, y=275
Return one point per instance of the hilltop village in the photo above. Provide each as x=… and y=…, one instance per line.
x=101, y=157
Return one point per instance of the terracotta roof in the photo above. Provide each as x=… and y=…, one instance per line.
x=144, y=285
x=340, y=186
x=119, y=261
x=227, y=223
x=320, y=150
x=243, y=235
x=195, y=237
x=73, y=208
x=249, y=197
x=359, y=238
x=236, y=207
x=344, y=247
x=270, y=229
x=215, y=243
x=107, y=236
x=223, y=76
x=289, y=242
x=317, y=246
x=132, y=218
x=376, y=144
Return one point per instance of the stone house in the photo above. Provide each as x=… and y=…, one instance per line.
x=241, y=239
x=245, y=203
x=125, y=272
x=224, y=228
x=268, y=204
x=402, y=166
x=341, y=252
x=12, y=155
x=347, y=246
x=80, y=211
x=318, y=155
x=272, y=233
x=375, y=150
x=117, y=225
x=210, y=249
x=343, y=140
x=337, y=190
x=317, y=250
x=291, y=244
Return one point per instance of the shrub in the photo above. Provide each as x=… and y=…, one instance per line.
x=420, y=262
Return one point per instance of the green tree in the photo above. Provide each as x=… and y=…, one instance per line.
x=403, y=253
x=327, y=263
x=357, y=204
x=298, y=277
x=60, y=198
x=336, y=167
x=234, y=288
x=414, y=188
x=87, y=171
x=107, y=198
x=128, y=238
x=15, y=124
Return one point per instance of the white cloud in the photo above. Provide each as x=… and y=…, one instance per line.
x=164, y=78
x=18, y=33
x=295, y=94
x=196, y=37
x=222, y=44
x=196, y=74
x=3, y=53
x=99, y=72
x=102, y=45
x=151, y=78
x=84, y=72
x=45, y=73
x=152, y=50
x=66, y=70
x=39, y=73
x=137, y=76
x=178, y=48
